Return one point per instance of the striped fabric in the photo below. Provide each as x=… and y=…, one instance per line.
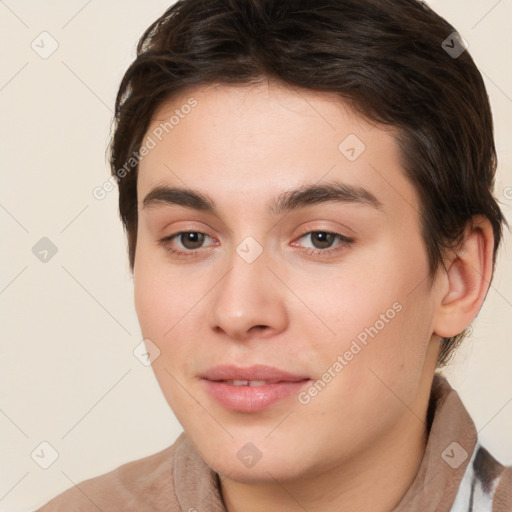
x=478, y=486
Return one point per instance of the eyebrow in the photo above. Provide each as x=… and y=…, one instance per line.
x=306, y=195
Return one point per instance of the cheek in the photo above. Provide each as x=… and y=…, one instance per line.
x=354, y=296
x=165, y=313
x=152, y=303
x=399, y=356
x=166, y=317
x=378, y=311
x=171, y=314
x=163, y=294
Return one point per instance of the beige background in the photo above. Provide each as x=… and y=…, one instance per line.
x=68, y=326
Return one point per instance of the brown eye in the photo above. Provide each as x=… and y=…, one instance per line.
x=191, y=239
x=324, y=242
x=322, y=239
x=186, y=243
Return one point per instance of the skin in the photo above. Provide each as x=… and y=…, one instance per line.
x=295, y=310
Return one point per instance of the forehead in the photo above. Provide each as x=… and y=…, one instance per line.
x=252, y=140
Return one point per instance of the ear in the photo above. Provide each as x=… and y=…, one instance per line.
x=466, y=280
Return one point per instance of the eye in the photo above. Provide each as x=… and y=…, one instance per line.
x=321, y=242
x=187, y=242
x=191, y=239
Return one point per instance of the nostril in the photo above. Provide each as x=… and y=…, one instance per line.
x=259, y=327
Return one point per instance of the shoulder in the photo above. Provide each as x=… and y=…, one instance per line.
x=145, y=484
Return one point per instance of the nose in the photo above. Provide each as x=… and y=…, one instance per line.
x=249, y=301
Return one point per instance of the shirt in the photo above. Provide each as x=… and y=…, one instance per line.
x=456, y=474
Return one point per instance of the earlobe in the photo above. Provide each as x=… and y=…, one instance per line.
x=468, y=278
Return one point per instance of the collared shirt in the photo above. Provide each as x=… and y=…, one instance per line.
x=456, y=474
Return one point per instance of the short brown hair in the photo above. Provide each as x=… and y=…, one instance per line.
x=385, y=57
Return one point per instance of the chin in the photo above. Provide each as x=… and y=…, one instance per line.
x=262, y=473
x=243, y=462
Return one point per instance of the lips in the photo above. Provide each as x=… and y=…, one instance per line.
x=259, y=372
x=251, y=389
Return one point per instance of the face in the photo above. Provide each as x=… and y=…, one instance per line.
x=281, y=274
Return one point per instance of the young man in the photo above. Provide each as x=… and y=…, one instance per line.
x=306, y=187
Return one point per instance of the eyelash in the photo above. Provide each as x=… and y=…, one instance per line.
x=344, y=242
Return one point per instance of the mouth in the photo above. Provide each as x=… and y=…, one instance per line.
x=247, y=382
x=251, y=389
